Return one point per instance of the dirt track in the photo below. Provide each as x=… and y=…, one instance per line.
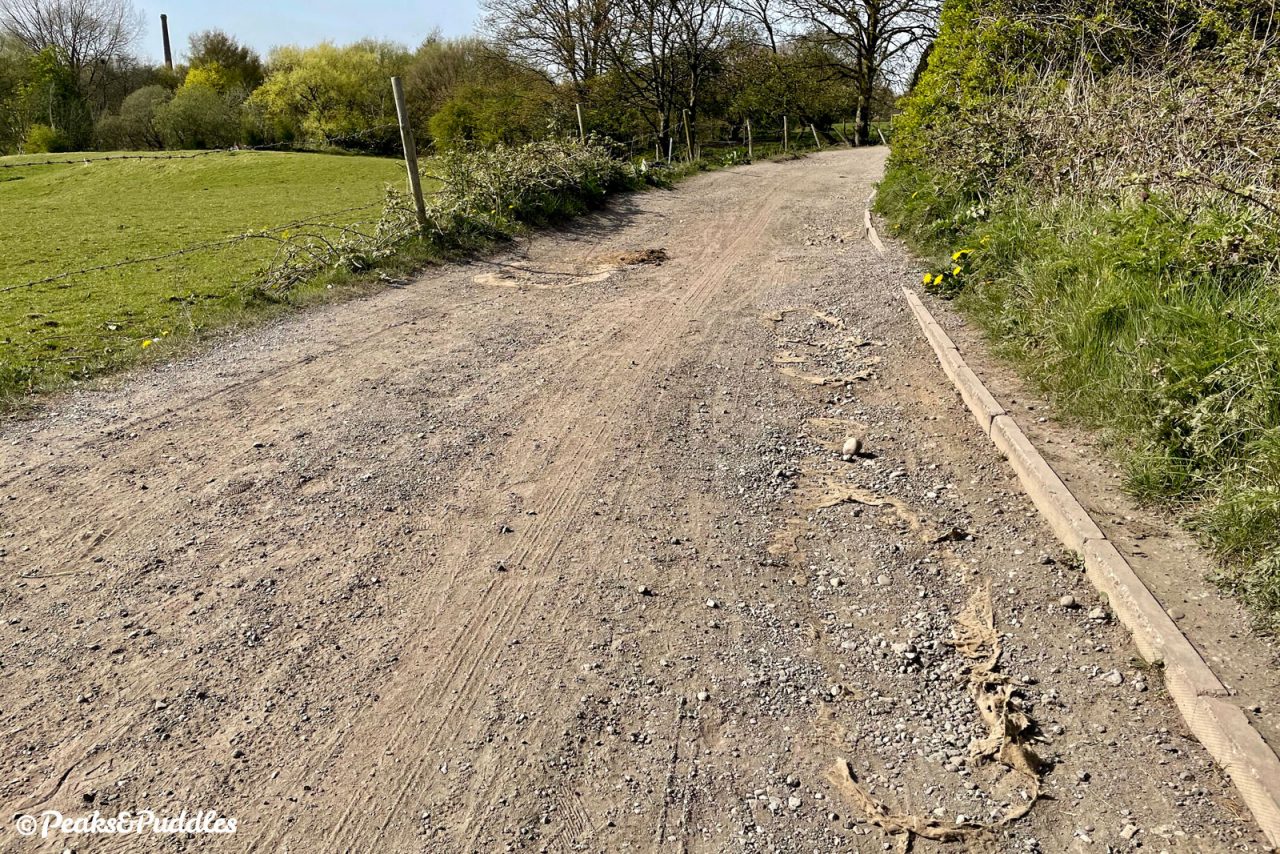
x=371, y=579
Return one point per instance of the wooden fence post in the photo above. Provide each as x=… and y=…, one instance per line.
x=410, y=152
x=750, y=156
x=582, y=132
x=816, y=141
x=688, y=137
x=785, y=146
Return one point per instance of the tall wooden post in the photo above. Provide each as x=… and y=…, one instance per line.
x=816, y=141
x=784, y=134
x=688, y=137
x=750, y=156
x=582, y=131
x=410, y=152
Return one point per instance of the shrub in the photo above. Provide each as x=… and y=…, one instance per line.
x=42, y=139
x=197, y=117
x=485, y=194
x=490, y=191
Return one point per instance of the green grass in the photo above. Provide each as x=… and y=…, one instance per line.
x=63, y=218
x=1159, y=325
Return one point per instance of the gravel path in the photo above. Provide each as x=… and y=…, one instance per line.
x=558, y=551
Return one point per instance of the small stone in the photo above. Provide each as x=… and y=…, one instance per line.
x=1067, y=601
x=711, y=603
x=1098, y=614
x=883, y=580
x=793, y=803
x=644, y=591
x=793, y=781
x=703, y=696
x=1175, y=614
x=1113, y=678
x=161, y=704
x=852, y=447
x=1129, y=831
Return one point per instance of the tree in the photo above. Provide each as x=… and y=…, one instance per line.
x=565, y=38
x=138, y=124
x=438, y=68
x=197, y=117
x=238, y=65
x=665, y=51
x=328, y=92
x=52, y=98
x=15, y=69
x=869, y=40
x=84, y=34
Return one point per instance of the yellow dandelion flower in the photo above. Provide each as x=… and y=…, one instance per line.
x=928, y=277
x=956, y=271
x=147, y=343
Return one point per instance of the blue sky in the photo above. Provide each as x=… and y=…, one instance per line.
x=267, y=23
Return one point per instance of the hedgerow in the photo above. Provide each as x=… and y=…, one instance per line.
x=1115, y=173
x=484, y=194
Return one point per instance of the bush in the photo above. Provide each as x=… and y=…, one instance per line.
x=197, y=117
x=137, y=125
x=485, y=194
x=490, y=191
x=42, y=139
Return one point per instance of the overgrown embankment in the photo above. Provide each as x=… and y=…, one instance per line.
x=1101, y=185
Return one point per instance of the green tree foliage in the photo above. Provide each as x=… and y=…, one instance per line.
x=52, y=97
x=15, y=66
x=137, y=125
x=236, y=66
x=490, y=101
x=197, y=117
x=42, y=139
x=796, y=81
x=438, y=68
x=327, y=93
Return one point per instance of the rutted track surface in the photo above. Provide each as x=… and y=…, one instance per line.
x=368, y=580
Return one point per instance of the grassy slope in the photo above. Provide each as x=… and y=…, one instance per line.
x=68, y=217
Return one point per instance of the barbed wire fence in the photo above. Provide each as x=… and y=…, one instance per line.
x=330, y=142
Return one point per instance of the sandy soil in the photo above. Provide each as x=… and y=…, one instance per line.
x=558, y=552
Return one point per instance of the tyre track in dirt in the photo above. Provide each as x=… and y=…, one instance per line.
x=564, y=498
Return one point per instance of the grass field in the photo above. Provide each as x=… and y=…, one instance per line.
x=63, y=218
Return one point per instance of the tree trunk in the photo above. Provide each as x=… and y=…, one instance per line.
x=863, y=129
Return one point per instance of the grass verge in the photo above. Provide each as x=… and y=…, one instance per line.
x=1155, y=323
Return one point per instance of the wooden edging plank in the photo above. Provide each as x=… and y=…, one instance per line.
x=1205, y=704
